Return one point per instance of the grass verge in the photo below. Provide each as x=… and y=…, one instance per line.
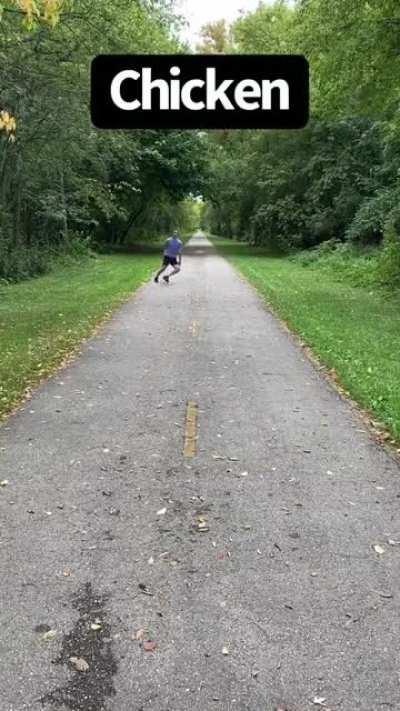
x=43, y=320
x=354, y=330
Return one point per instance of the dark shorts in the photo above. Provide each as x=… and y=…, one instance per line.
x=170, y=260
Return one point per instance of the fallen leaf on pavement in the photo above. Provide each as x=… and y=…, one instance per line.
x=202, y=523
x=80, y=664
x=140, y=635
x=67, y=572
x=50, y=635
x=202, y=526
x=143, y=588
x=149, y=646
x=379, y=549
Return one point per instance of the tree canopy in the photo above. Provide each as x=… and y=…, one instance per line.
x=337, y=179
x=61, y=180
x=64, y=183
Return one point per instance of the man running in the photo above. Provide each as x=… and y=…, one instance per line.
x=172, y=256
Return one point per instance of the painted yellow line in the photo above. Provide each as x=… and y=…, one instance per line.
x=194, y=327
x=189, y=449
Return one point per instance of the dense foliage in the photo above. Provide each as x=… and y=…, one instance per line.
x=337, y=180
x=62, y=182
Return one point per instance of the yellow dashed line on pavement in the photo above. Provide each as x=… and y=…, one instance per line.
x=190, y=446
x=194, y=328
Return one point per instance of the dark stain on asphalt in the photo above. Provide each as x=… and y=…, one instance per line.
x=86, y=691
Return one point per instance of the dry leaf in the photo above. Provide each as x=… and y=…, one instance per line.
x=149, y=646
x=143, y=588
x=379, y=549
x=202, y=526
x=67, y=572
x=50, y=635
x=80, y=664
x=140, y=635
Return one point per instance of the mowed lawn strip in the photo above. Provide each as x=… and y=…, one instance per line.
x=355, y=330
x=43, y=320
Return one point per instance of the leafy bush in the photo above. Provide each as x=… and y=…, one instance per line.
x=369, y=222
x=309, y=256
x=279, y=224
x=18, y=263
x=348, y=262
x=388, y=268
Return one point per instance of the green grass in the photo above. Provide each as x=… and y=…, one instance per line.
x=353, y=329
x=43, y=320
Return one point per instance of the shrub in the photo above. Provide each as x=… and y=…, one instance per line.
x=388, y=268
x=19, y=262
x=279, y=224
x=369, y=222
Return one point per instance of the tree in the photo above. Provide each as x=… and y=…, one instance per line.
x=216, y=38
x=61, y=179
x=337, y=179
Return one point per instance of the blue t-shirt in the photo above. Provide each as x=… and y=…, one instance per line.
x=173, y=247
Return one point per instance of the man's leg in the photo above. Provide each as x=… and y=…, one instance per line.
x=176, y=268
x=160, y=271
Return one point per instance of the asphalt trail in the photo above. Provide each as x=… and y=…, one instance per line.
x=251, y=566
